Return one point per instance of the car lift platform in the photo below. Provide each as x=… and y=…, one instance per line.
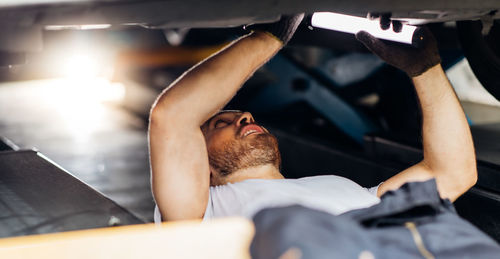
x=220, y=238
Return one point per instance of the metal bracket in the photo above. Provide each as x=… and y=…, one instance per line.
x=293, y=85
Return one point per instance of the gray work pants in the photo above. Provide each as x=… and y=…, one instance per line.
x=411, y=222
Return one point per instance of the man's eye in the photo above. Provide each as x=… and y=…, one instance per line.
x=220, y=123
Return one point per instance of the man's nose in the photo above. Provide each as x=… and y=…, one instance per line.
x=245, y=118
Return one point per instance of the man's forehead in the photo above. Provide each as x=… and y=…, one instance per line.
x=223, y=112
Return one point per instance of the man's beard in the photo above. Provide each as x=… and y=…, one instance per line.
x=234, y=155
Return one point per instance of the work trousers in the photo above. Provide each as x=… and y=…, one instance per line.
x=410, y=222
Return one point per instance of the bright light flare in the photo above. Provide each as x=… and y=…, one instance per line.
x=82, y=88
x=86, y=78
x=80, y=66
x=354, y=24
x=79, y=104
x=95, y=89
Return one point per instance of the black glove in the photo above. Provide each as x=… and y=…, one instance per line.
x=283, y=29
x=413, y=61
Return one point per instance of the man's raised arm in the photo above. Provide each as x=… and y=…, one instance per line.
x=178, y=155
x=447, y=142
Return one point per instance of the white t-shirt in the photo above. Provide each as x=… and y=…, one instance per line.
x=328, y=193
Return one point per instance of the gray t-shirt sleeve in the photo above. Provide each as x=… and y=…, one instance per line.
x=208, y=210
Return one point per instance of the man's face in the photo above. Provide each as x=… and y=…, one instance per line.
x=234, y=141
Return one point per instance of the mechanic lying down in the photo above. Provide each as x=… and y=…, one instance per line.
x=209, y=163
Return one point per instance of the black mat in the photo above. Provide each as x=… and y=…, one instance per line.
x=37, y=196
x=7, y=145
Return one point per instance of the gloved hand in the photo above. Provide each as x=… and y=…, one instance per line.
x=282, y=30
x=413, y=61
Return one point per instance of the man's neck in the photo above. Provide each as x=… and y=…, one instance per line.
x=256, y=172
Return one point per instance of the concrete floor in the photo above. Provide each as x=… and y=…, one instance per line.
x=103, y=146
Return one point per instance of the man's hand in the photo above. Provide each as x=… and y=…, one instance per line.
x=413, y=61
x=283, y=29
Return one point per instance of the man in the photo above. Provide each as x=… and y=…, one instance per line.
x=206, y=163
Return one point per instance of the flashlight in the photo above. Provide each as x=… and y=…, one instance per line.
x=409, y=34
